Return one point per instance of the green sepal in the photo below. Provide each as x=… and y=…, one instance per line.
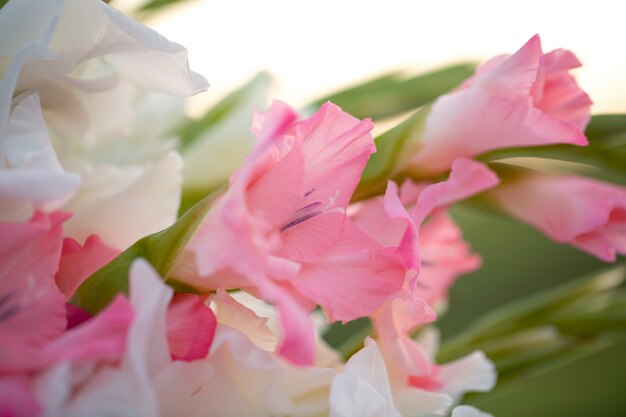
x=393, y=148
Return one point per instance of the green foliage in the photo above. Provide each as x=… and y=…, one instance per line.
x=604, y=158
x=392, y=148
x=162, y=249
x=3, y=2
x=191, y=129
x=154, y=5
x=537, y=336
x=392, y=94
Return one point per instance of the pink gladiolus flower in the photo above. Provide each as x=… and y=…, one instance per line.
x=588, y=214
x=281, y=232
x=526, y=99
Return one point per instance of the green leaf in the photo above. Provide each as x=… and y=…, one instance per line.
x=348, y=338
x=602, y=314
x=3, y=2
x=583, y=382
x=161, y=249
x=193, y=128
x=533, y=311
x=392, y=94
x=392, y=148
x=603, y=126
x=154, y=5
x=604, y=158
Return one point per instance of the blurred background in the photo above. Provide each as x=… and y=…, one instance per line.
x=313, y=49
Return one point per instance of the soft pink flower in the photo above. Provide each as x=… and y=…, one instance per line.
x=526, y=99
x=588, y=214
x=281, y=232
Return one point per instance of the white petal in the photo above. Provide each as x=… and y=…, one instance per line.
x=473, y=372
x=362, y=388
x=239, y=379
x=414, y=402
x=91, y=28
x=429, y=340
x=27, y=22
x=123, y=205
x=30, y=174
x=468, y=411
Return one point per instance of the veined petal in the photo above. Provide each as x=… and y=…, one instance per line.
x=353, y=279
x=31, y=306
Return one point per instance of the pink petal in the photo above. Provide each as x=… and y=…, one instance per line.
x=458, y=128
x=17, y=398
x=102, y=337
x=298, y=340
x=515, y=74
x=588, y=214
x=445, y=257
x=526, y=99
x=233, y=314
x=275, y=195
x=32, y=310
x=393, y=323
x=466, y=179
x=560, y=94
x=353, y=279
x=79, y=262
x=336, y=147
x=75, y=315
x=190, y=327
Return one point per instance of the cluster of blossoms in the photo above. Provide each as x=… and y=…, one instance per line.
x=88, y=166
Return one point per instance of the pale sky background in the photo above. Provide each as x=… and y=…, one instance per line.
x=314, y=47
